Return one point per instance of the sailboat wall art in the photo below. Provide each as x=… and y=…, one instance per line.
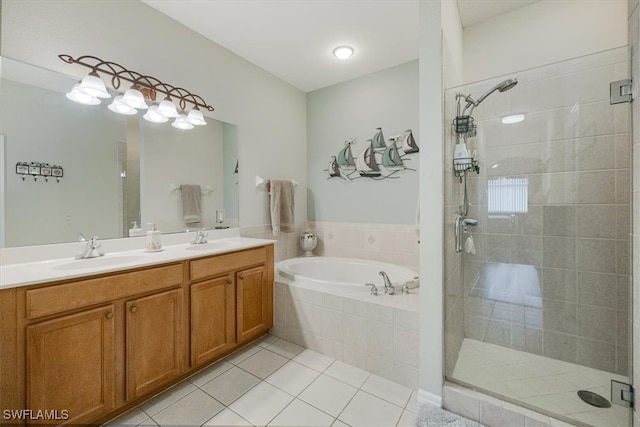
x=379, y=158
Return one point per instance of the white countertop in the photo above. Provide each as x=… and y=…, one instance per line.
x=48, y=270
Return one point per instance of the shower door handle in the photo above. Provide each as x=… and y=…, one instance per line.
x=457, y=224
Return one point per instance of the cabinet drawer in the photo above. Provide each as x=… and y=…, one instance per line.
x=217, y=265
x=59, y=298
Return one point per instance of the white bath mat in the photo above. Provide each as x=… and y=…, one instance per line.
x=432, y=416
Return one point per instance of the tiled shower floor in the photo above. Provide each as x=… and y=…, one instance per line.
x=539, y=381
x=277, y=383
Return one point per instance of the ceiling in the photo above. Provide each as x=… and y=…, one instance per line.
x=294, y=39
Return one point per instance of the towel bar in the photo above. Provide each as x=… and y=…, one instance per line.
x=204, y=190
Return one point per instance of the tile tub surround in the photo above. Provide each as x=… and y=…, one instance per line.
x=393, y=243
x=573, y=149
x=376, y=333
x=275, y=382
x=287, y=245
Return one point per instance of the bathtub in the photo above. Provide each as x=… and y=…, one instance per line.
x=322, y=304
x=349, y=275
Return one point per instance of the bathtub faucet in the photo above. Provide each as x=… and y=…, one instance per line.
x=389, y=289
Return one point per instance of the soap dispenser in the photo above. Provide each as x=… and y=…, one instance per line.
x=153, y=238
x=135, y=230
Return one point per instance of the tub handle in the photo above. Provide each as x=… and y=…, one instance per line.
x=374, y=289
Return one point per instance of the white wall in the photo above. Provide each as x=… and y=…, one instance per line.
x=270, y=114
x=431, y=203
x=452, y=44
x=354, y=109
x=542, y=33
x=193, y=157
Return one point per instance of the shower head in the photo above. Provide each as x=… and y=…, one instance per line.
x=500, y=87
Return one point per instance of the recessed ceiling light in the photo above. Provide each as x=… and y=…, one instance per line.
x=516, y=118
x=343, y=52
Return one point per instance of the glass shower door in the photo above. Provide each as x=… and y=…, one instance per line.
x=538, y=301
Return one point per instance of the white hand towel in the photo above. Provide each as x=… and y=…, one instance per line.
x=190, y=203
x=282, y=206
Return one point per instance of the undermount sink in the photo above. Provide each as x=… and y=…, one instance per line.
x=104, y=261
x=213, y=246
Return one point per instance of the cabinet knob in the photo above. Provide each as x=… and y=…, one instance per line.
x=134, y=308
x=109, y=315
x=229, y=281
x=241, y=277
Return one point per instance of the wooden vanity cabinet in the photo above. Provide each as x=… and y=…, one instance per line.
x=153, y=341
x=213, y=319
x=70, y=365
x=96, y=346
x=255, y=313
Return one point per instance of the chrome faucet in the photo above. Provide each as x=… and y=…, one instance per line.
x=374, y=289
x=389, y=289
x=91, y=249
x=201, y=237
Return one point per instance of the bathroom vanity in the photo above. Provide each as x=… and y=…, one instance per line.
x=91, y=346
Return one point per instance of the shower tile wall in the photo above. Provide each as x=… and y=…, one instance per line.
x=554, y=279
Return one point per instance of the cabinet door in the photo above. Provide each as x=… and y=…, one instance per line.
x=154, y=341
x=213, y=319
x=70, y=366
x=254, y=303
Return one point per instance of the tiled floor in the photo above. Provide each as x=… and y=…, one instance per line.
x=539, y=381
x=274, y=382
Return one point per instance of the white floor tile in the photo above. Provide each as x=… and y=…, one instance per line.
x=293, y=377
x=314, y=360
x=227, y=418
x=387, y=390
x=243, y=354
x=412, y=404
x=285, y=348
x=347, y=373
x=230, y=385
x=339, y=423
x=408, y=419
x=210, y=373
x=328, y=394
x=158, y=403
x=193, y=409
x=131, y=418
x=261, y=404
x=367, y=410
x=266, y=341
x=263, y=363
x=301, y=414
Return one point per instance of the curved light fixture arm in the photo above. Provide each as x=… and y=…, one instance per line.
x=151, y=84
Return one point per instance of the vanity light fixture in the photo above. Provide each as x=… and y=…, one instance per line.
x=343, y=52
x=143, y=88
x=514, y=118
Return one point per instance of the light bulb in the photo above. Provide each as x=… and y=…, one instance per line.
x=181, y=123
x=195, y=117
x=134, y=98
x=168, y=108
x=343, y=52
x=117, y=106
x=152, y=115
x=76, y=95
x=92, y=85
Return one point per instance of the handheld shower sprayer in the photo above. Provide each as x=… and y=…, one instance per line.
x=500, y=87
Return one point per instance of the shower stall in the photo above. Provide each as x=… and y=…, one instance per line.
x=537, y=239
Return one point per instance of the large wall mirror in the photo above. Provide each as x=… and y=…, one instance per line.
x=116, y=169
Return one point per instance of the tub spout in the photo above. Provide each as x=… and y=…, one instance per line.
x=389, y=289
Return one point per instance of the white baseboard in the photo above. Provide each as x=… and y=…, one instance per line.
x=429, y=398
